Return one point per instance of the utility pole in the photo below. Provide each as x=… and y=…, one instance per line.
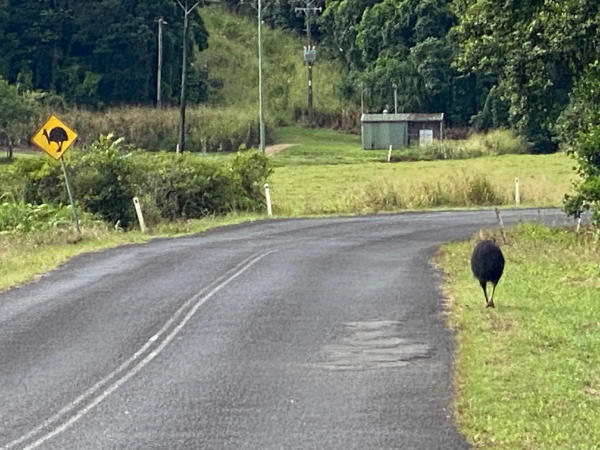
x=160, y=59
x=184, y=4
x=260, y=81
x=261, y=114
x=310, y=53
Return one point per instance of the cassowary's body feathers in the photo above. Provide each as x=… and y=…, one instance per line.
x=487, y=264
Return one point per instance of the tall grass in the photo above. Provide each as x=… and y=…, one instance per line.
x=452, y=190
x=494, y=142
x=207, y=129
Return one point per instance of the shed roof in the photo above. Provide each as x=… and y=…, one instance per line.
x=403, y=117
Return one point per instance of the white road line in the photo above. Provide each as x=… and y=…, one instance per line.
x=100, y=392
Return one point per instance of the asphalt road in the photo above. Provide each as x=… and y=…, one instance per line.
x=292, y=334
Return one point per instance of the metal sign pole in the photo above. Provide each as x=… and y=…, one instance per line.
x=62, y=164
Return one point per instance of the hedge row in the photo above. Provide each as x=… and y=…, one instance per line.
x=105, y=177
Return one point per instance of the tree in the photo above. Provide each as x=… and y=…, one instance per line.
x=94, y=52
x=579, y=126
x=17, y=114
x=405, y=43
x=535, y=49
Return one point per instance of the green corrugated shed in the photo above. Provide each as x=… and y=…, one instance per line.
x=379, y=131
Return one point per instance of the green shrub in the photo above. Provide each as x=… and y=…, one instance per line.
x=251, y=170
x=495, y=142
x=25, y=218
x=104, y=180
x=186, y=186
x=190, y=186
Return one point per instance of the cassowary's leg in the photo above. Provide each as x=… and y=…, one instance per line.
x=491, y=302
x=483, y=286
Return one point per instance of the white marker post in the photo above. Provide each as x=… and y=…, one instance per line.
x=517, y=193
x=390, y=153
x=140, y=216
x=268, y=198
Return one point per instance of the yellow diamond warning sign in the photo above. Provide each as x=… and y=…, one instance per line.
x=54, y=137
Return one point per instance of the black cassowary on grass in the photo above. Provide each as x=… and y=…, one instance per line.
x=487, y=264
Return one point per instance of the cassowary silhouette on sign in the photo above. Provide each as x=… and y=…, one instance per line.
x=58, y=135
x=487, y=264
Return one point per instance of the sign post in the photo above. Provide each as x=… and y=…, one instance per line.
x=55, y=138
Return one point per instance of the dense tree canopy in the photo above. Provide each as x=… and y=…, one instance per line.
x=535, y=49
x=403, y=43
x=93, y=52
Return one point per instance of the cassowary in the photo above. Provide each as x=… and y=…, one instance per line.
x=487, y=264
x=58, y=135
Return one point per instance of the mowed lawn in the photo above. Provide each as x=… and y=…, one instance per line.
x=528, y=372
x=329, y=173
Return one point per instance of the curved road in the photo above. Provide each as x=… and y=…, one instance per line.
x=295, y=334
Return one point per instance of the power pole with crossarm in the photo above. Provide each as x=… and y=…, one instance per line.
x=310, y=53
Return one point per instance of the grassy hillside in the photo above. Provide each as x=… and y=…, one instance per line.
x=232, y=62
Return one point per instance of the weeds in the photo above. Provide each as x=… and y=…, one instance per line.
x=27, y=218
x=493, y=143
x=383, y=195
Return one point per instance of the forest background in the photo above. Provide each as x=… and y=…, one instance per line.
x=527, y=65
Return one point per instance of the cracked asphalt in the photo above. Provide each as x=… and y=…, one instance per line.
x=279, y=334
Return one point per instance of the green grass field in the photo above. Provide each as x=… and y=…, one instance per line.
x=379, y=186
x=329, y=173
x=528, y=372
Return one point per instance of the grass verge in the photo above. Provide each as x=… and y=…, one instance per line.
x=25, y=256
x=528, y=372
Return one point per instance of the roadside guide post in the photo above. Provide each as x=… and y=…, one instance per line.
x=55, y=138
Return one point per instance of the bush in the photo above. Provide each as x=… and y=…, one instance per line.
x=495, y=142
x=251, y=170
x=581, y=135
x=191, y=187
x=25, y=218
x=186, y=187
x=101, y=177
x=105, y=176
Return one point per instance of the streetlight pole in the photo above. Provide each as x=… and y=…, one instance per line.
x=160, y=60
x=261, y=101
x=186, y=11
x=261, y=117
